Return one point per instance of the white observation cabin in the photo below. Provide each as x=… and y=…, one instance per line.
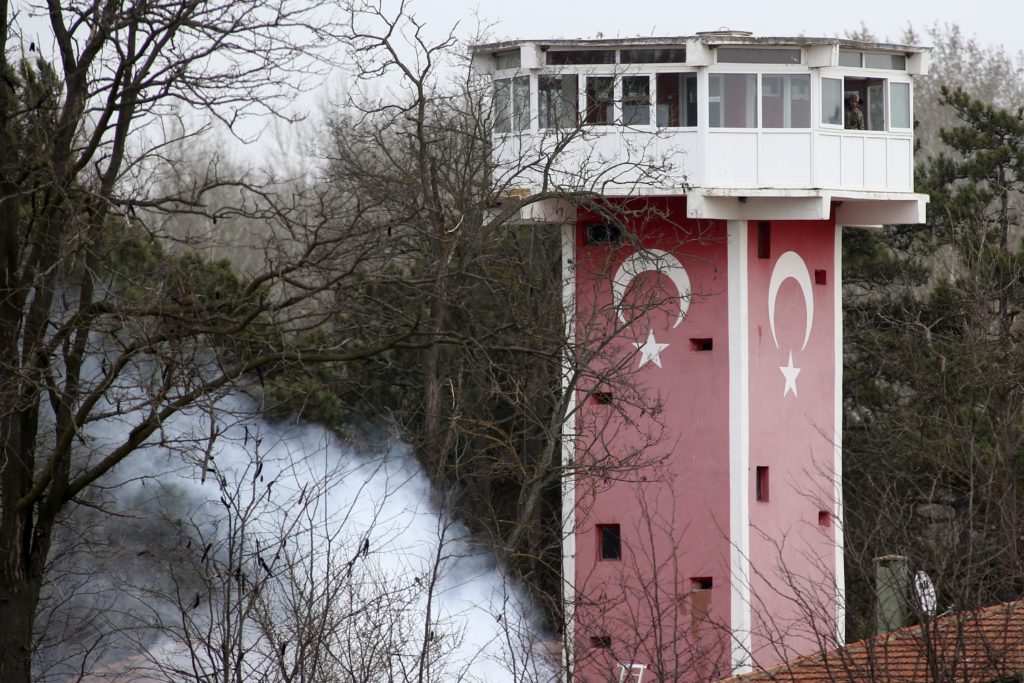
x=746, y=127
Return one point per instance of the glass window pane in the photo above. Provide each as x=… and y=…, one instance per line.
x=732, y=101
x=581, y=56
x=665, y=55
x=558, y=98
x=677, y=100
x=600, y=100
x=773, y=101
x=521, y=102
x=502, y=105
x=876, y=105
x=832, y=101
x=899, y=104
x=506, y=60
x=877, y=61
x=636, y=100
x=848, y=58
x=714, y=101
x=786, y=101
x=758, y=55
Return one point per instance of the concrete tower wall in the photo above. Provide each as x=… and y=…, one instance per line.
x=669, y=442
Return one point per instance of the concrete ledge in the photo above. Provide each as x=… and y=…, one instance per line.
x=853, y=208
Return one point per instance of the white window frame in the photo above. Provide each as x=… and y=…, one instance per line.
x=553, y=72
x=616, y=113
x=880, y=76
x=786, y=95
x=654, y=98
x=511, y=76
x=885, y=109
x=910, y=106
x=620, y=101
x=627, y=675
x=821, y=102
x=757, y=98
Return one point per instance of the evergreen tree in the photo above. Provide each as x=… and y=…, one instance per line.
x=934, y=439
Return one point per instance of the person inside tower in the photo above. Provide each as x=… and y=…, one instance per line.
x=854, y=114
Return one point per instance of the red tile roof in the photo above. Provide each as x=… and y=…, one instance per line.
x=978, y=646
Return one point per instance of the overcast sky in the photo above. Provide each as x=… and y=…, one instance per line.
x=990, y=21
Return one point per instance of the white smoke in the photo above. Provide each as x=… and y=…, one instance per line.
x=293, y=549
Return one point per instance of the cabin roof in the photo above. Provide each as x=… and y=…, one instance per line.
x=711, y=38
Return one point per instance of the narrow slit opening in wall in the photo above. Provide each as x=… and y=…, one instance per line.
x=764, y=239
x=702, y=343
x=601, y=398
x=609, y=539
x=602, y=233
x=820, y=277
x=601, y=642
x=761, y=484
x=702, y=583
x=824, y=518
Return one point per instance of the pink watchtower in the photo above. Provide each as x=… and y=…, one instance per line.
x=703, y=497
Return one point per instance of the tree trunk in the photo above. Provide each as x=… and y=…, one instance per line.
x=18, y=598
x=434, y=442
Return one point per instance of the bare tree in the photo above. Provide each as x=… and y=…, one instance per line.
x=385, y=274
x=95, y=321
x=478, y=259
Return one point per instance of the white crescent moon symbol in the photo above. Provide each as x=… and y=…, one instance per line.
x=657, y=261
x=791, y=266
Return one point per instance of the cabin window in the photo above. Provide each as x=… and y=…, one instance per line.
x=832, y=101
x=732, y=100
x=877, y=61
x=850, y=58
x=503, y=105
x=600, y=100
x=560, y=57
x=558, y=98
x=876, y=105
x=506, y=60
x=872, y=99
x=636, y=100
x=677, y=100
x=872, y=60
x=512, y=104
x=663, y=55
x=899, y=105
x=786, y=101
x=758, y=55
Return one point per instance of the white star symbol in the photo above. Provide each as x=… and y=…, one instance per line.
x=650, y=350
x=790, y=373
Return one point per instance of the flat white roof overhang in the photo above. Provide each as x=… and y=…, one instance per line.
x=852, y=207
